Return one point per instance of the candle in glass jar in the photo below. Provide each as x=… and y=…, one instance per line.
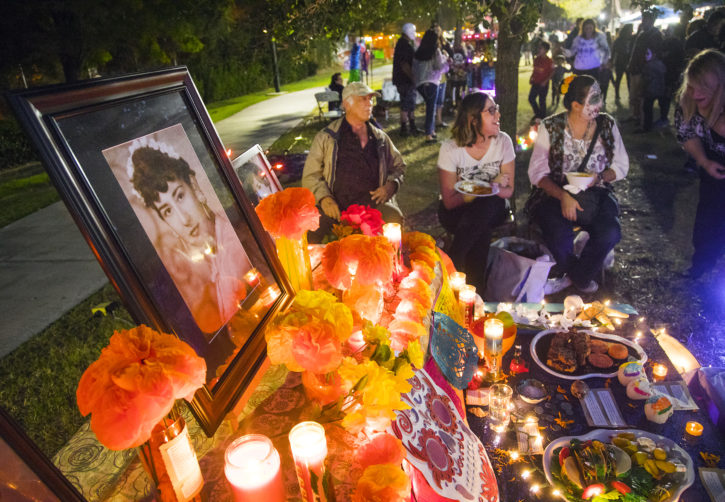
x=693, y=428
x=659, y=372
x=309, y=449
x=458, y=280
x=493, y=332
x=392, y=232
x=252, y=467
x=467, y=300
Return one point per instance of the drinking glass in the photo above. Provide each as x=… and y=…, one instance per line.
x=499, y=406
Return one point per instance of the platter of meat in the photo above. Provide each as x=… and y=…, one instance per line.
x=576, y=353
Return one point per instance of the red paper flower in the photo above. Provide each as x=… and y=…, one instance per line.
x=134, y=384
x=369, y=220
x=289, y=213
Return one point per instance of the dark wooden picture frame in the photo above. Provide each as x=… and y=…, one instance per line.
x=73, y=127
x=256, y=174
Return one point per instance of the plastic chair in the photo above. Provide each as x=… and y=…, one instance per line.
x=324, y=98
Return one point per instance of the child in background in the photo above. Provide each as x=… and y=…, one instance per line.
x=653, y=77
x=543, y=70
x=560, y=71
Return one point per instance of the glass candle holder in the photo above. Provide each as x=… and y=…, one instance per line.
x=309, y=449
x=467, y=301
x=252, y=467
x=493, y=333
x=693, y=428
x=393, y=233
x=659, y=372
x=458, y=280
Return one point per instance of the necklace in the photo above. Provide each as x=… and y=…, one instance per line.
x=580, y=144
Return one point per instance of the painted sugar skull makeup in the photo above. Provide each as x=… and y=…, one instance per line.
x=593, y=103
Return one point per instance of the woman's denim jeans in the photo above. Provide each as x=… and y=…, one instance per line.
x=429, y=91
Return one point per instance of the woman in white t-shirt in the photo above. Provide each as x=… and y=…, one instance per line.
x=478, y=151
x=590, y=51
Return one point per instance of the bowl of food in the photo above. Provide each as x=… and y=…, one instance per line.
x=580, y=180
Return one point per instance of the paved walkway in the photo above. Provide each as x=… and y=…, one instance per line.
x=46, y=267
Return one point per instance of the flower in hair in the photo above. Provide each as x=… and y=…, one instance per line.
x=566, y=82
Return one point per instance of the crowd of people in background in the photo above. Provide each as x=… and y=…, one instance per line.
x=683, y=63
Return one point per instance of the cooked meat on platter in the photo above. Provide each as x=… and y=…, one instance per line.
x=568, y=350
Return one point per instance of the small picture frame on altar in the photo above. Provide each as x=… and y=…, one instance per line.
x=256, y=174
x=142, y=171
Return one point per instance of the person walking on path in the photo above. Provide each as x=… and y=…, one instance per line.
x=542, y=73
x=700, y=124
x=589, y=50
x=621, y=51
x=648, y=38
x=404, y=80
x=429, y=63
x=354, y=62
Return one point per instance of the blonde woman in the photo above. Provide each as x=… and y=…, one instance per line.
x=700, y=123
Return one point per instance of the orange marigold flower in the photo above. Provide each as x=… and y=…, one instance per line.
x=316, y=347
x=367, y=259
x=134, y=384
x=412, y=240
x=381, y=449
x=382, y=483
x=289, y=213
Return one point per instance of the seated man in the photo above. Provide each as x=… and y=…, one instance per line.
x=353, y=162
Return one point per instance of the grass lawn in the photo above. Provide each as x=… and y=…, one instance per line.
x=23, y=196
x=40, y=377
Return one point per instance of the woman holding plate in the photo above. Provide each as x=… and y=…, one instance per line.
x=583, y=141
x=478, y=154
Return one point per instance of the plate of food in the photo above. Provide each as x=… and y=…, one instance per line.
x=577, y=353
x=476, y=188
x=631, y=466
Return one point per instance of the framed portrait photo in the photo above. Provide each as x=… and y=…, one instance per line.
x=256, y=174
x=143, y=172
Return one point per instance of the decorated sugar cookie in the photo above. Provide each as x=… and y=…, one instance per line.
x=629, y=371
x=658, y=409
x=639, y=389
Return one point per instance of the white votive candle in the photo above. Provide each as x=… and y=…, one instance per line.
x=252, y=467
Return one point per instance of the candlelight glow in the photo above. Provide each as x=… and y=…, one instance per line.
x=525, y=474
x=514, y=455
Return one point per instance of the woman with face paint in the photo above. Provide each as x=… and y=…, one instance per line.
x=578, y=140
x=478, y=151
x=700, y=123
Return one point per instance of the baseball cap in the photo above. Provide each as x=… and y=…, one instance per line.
x=357, y=89
x=409, y=30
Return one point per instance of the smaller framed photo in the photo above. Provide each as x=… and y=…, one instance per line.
x=256, y=175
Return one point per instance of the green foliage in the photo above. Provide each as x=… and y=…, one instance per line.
x=21, y=197
x=14, y=146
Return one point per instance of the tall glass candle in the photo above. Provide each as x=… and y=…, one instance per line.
x=309, y=449
x=467, y=301
x=493, y=332
x=458, y=280
x=252, y=467
x=393, y=233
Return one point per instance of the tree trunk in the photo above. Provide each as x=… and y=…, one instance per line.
x=507, y=76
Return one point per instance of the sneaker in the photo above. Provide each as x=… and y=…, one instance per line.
x=661, y=123
x=592, y=287
x=553, y=286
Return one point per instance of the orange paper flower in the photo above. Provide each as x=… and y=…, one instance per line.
x=381, y=449
x=134, y=384
x=316, y=348
x=368, y=260
x=289, y=213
